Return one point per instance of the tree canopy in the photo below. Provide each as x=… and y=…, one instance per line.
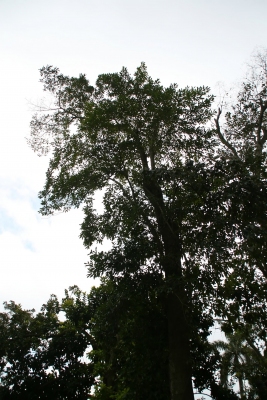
x=139, y=142
x=184, y=197
x=41, y=356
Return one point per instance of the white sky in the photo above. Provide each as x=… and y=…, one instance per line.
x=192, y=42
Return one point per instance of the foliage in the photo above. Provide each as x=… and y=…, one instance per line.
x=109, y=344
x=244, y=359
x=41, y=356
x=129, y=327
x=138, y=141
x=241, y=297
x=183, y=201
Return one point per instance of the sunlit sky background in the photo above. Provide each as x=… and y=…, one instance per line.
x=192, y=42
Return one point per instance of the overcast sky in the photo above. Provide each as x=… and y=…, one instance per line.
x=190, y=42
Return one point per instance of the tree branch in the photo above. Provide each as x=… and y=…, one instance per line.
x=152, y=229
x=261, y=140
x=221, y=137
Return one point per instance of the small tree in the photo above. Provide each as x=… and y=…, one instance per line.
x=42, y=356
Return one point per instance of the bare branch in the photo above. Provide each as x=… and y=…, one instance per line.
x=221, y=137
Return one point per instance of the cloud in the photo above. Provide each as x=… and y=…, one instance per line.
x=7, y=223
x=39, y=256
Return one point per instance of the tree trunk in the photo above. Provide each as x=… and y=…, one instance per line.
x=177, y=316
x=241, y=387
x=176, y=301
x=179, y=355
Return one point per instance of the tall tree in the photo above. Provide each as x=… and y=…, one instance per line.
x=242, y=206
x=233, y=359
x=181, y=199
x=139, y=142
x=243, y=134
x=244, y=359
x=245, y=324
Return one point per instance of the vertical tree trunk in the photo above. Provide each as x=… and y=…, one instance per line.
x=179, y=335
x=179, y=356
x=176, y=302
x=241, y=387
x=177, y=315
